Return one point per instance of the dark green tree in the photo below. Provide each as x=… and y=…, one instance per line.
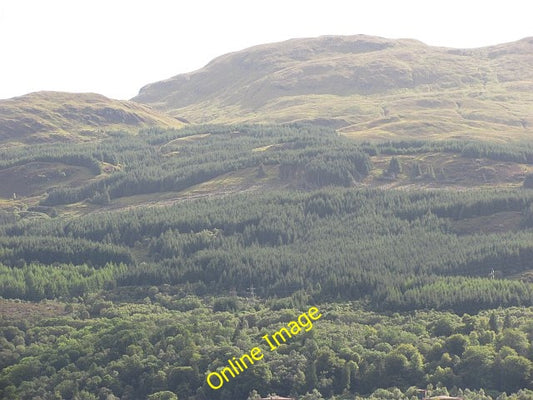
x=394, y=168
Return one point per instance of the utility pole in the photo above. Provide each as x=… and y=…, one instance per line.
x=252, y=292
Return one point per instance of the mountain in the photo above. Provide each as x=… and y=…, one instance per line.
x=132, y=265
x=45, y=116
x=364, y=86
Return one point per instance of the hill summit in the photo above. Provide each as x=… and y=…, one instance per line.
x=45, y=116
x=368, y=86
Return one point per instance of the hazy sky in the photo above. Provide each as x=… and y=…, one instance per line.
x=114, y=47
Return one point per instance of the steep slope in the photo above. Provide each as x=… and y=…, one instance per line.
x=46, y=116
x=368, y=86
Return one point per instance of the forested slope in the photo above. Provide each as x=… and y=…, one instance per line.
x=310, y=221
x=140, y=272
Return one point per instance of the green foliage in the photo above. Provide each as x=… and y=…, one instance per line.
x=163, y=395
x=37, y=282
x=149, y=163
x=395, y=167
x=516, y=152
x=158, y=296
x=321, y=242
x=50, y=250
x=226, y=304
x=151, y=352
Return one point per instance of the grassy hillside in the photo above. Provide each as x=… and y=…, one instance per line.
x=57, y=116
x=365, y=86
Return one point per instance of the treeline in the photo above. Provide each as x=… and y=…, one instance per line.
x=458, y=293
x=515, y=152
x=36, y=281
x=80, y=155
x=19, y=250
x=471, y=204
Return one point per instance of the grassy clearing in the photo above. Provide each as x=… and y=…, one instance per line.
x=448, y=171
x=496, y=223
x=35, y=178
x=264, y=148
x=173, y=146
x=26, y=311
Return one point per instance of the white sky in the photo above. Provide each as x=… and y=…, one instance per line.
x=114, y=47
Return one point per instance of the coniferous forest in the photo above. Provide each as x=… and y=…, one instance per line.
x=419, y=288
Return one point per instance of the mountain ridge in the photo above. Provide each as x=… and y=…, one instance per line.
x=346, y=81
x=364, y=86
